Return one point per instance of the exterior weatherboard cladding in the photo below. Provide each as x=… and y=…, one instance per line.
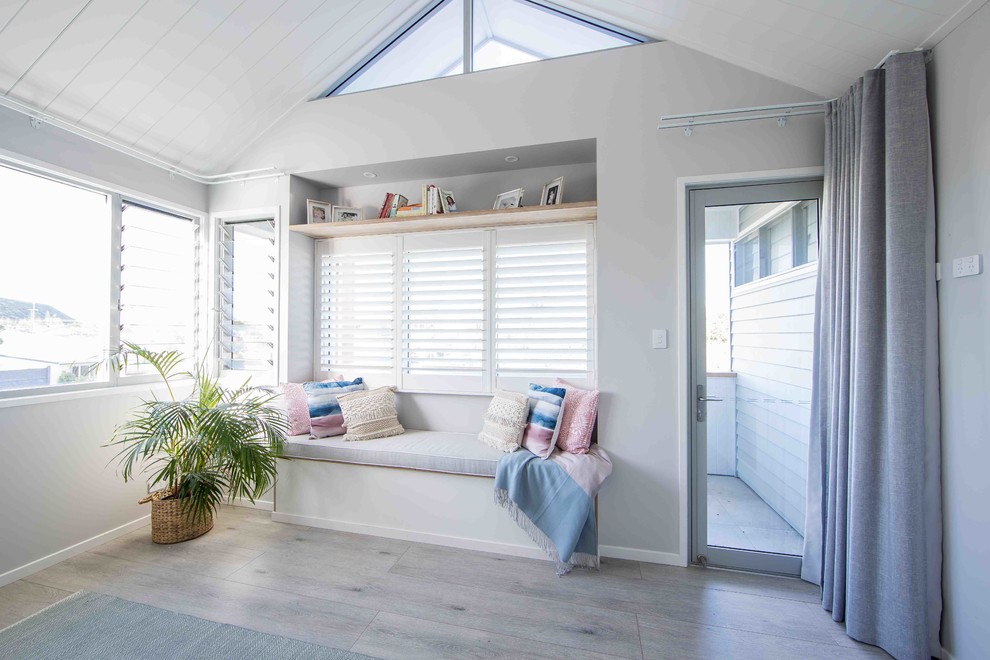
x=616, y=98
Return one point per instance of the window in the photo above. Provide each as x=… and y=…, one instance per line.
x=460, y=311
x=55, y=281
x=159, y=288
x=247, y=308
x=778, y=238
x=435, y=43
x=444, y=311
x=544, y=307
x=76, y=280
x=357, y=308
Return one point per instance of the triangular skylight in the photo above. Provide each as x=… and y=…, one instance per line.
x=506, y=32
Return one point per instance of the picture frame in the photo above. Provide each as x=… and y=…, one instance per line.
x=345, y=214
x=511, y=199
x=553, y=193
x=317, y=212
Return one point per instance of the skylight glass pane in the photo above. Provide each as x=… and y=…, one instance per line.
x=515, y=31
x=432, y=48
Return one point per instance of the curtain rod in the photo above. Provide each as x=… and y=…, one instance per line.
x=39, y=118
x=781, y=111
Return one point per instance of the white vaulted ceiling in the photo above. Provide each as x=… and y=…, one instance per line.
x=194, y=82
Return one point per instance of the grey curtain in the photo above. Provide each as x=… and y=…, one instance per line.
x=873, y=531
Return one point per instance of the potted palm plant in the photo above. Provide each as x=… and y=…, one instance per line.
x=215, y=444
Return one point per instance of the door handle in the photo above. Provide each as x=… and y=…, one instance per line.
x=699, y=407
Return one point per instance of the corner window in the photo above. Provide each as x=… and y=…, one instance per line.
x=76, y=280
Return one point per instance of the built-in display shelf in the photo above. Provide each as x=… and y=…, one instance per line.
x=531, y=215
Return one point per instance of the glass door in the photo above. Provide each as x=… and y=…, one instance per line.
x=754, y=253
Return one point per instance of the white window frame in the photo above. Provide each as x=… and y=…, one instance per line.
x=490, y=382
x=211, y=354
x=116, y=196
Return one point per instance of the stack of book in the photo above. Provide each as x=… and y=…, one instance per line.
x=434, y=201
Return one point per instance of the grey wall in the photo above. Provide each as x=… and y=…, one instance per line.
x=615, y=97
x=960, y=98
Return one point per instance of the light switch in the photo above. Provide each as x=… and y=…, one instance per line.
x=966, y=266
x=659, y=339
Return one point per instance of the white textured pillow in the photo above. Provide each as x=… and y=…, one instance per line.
x=370, y=414
x=505, y=421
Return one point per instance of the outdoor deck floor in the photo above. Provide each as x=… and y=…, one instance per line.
x=738, y=518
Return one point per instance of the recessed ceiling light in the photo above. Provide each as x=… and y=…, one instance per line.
x=370, y=175
x=511, y=159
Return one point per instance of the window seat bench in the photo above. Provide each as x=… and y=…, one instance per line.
x=433, y=451
x=425, y=486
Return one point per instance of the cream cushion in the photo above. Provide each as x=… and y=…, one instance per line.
x=370, y=414
x=505, y=421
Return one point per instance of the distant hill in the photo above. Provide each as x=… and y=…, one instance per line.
x=19, y=310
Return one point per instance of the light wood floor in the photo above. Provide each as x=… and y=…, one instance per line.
x=394, y=599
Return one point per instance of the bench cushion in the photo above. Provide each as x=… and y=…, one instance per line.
x=437, y=451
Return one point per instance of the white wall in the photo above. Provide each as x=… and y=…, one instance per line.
x=616, y=97
x=54, y=481
x=960, y=98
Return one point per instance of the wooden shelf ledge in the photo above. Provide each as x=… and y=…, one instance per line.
x=531, y=215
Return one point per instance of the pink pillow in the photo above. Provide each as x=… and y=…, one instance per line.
x=580, y=411
x=297, y=406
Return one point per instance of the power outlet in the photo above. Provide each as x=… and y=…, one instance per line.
x=659, y=339
x=967, y=266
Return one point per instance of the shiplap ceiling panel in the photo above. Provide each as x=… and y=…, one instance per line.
x=112, y=64
x=30, y=32
x=196, y=81
x=79, y=44
x=228, y=129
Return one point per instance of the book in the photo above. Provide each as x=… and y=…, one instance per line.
x=410, y=209
x=386, y=206
x=397, y=201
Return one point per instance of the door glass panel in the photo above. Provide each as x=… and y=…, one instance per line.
x=759, y=335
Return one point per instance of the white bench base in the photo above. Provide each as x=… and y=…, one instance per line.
x=412, y=505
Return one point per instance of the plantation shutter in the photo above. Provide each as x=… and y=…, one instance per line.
x=544, y=305
x=444, y=312
x=159, y=292
x=247, y=310
x=357, y=308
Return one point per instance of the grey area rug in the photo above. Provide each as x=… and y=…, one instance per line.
x=88, y=625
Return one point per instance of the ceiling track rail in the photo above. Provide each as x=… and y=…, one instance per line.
x=781, y=112
x=39, y=119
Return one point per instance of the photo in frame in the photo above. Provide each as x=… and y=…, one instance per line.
x=317, y=212
x=553, y=192
x=345, y=214
x=511, y=199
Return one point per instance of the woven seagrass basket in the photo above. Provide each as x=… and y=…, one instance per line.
x=170, y=524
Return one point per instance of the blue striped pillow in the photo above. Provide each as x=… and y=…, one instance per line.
x=545, y=407
x=326, y=418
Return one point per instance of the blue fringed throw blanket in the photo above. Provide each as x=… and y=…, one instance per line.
x=553, y=501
